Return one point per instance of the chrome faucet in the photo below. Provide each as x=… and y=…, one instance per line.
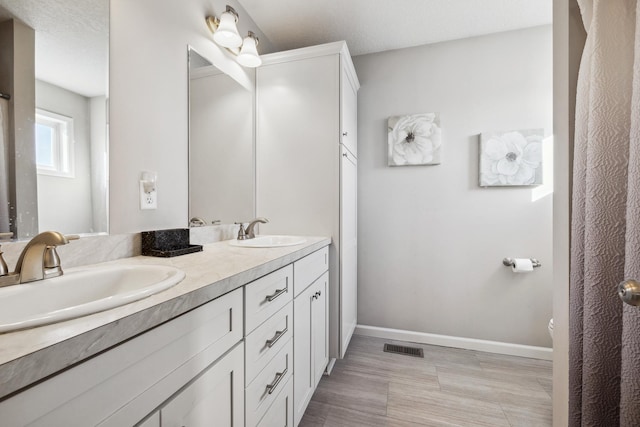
x=250, y=234
x=38, y=260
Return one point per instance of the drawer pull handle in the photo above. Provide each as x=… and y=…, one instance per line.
x=279, y=376
x=276, y=294
x=277, y=336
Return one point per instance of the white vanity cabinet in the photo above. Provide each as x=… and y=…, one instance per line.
x=311, y=339
x=286, y=343
x=199, y=355
x=306, y=163
x=233, y=361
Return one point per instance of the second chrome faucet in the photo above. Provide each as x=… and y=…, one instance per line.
x=249, y=233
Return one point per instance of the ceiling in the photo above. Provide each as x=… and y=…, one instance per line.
x=72, y=40
x=72, y=35
x=377, y=25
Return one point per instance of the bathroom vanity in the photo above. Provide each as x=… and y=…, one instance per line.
x=242, y=341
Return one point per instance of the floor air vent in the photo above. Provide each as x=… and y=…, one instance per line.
x=401, y=349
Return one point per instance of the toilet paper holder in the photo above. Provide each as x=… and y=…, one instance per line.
x=509, y=262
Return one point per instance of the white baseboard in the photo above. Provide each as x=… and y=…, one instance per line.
x=543, y=353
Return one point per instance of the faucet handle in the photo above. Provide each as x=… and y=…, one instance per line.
x=4, y=269
x=241, y=234
x=51, y=257
x=196, y=221
x=51, y=263
x=72, y=237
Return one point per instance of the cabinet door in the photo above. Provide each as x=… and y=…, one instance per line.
x=311, y=342
x=319, y=327
x=214, y=399
x=297, y=123
x=349, y=247
x=348, y=112
x=303, y=379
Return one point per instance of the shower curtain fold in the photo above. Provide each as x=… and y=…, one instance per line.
x=604, y=374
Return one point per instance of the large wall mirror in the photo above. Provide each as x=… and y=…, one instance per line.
x=53, y=127
x=221, y=145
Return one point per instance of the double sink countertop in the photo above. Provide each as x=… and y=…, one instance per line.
x=31, y=355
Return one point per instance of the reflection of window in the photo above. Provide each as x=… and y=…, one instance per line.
x=54, y=144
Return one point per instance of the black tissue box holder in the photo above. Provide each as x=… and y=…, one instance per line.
x=168, y=243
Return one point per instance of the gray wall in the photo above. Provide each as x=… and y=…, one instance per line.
x=71, y=193
x=431, y=241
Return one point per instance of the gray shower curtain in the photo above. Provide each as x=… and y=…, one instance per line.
x=604, y=373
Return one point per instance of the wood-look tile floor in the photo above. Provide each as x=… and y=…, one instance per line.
x=449, y=387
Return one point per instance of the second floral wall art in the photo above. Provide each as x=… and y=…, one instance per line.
x=414, y=140
x=511, y=158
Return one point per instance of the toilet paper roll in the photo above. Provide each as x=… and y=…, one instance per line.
x=522, y=265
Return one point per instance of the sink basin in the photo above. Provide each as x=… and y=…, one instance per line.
x=80, y=292
x=268, y=241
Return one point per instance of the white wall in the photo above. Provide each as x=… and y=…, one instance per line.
x=148, y=102
x=64, y=203
x=431, y=241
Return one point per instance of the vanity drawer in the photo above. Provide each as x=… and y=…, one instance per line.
x=262, y=392
x=281, y=411
x=265, y=296
x=267, y=340
x=309, y=268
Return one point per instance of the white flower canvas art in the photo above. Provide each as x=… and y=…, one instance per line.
x=414, y=140
x=512, y=158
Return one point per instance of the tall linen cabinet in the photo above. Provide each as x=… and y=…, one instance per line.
x=306, y=164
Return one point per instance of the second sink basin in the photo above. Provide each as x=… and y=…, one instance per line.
x=81, y=292
x=268, y=241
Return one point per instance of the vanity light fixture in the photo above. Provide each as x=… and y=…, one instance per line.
x=248, y=56
x=225, y=34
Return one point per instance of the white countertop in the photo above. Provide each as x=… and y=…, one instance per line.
x=30, y=355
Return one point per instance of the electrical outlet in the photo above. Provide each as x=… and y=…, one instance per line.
x=148, y=199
